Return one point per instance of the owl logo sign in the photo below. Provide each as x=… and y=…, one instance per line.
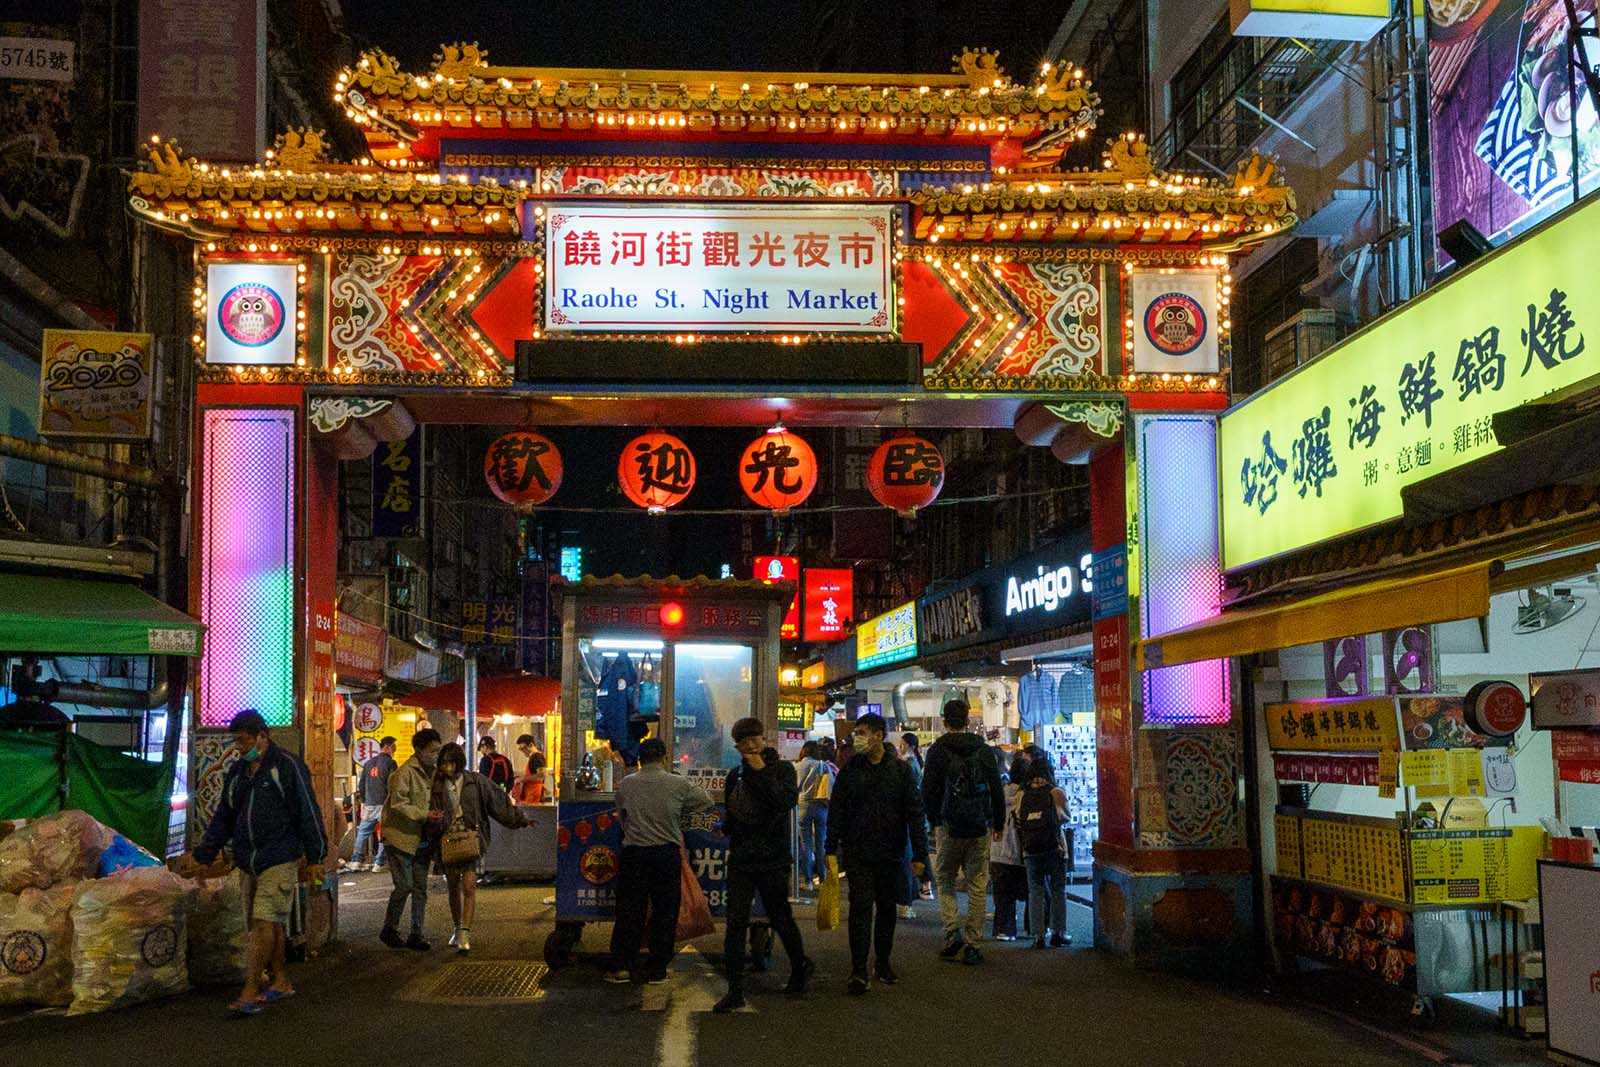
x=251, y=312
x=250, y=315
x=1175, y=323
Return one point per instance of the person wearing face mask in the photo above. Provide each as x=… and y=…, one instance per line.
x=270, y=820
x=406, y=815
x=467, y=801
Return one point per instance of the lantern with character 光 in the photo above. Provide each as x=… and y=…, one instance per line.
x=523, y=468
x=656, y=471
x=906, y=473
x=778, y=470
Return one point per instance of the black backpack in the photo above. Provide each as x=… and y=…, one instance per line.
x=1038, y=822
x=966, y=810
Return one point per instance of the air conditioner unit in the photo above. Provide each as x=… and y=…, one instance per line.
x=1299, y=339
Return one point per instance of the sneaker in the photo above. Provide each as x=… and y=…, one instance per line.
x=455, y=938
x=907, y=911
x=391, y=937
x=971, y=956
x=1060, y=940
x=659, y=978
x=730, y=1003
x=857, y=985
x=952, y=948
x=617, y=977
x=464, y=944
x=1005, y=937
x=418, y=943
x=886, y=974
x=801, y=978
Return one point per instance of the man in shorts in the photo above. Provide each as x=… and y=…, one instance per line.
x=270, y=819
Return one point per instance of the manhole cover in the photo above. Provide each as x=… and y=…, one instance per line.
x=489, y=981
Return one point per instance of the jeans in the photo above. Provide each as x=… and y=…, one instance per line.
x=367, y=831
x=969, y=855
x=813, y=834
x=410, y=876
x=650, y=878
x=1047, y=893
x=1010, y=882
x=773, y=885
x=872, y=892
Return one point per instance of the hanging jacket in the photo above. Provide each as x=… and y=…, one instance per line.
x=267, y=818
x=615, y=698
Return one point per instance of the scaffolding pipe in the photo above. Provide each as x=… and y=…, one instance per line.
x=78, y=463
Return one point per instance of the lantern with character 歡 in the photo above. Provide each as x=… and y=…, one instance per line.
x=523, y=468
x=906, y=473
x=778, y=470
x=656, y=471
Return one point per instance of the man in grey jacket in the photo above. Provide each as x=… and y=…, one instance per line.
x=654, y=805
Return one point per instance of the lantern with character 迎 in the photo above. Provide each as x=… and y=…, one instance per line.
x=906, y=473
x=656, y=471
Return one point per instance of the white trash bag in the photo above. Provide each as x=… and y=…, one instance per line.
x=218, y=938
x=130, y=942
x=64, y=847
x=36, y=946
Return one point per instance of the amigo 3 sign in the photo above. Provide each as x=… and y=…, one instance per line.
x=713, y=268
x=1327, y=450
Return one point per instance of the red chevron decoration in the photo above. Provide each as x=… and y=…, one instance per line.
x=429, y=313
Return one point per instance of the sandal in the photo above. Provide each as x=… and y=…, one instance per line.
x=245, y=1007
x=273, y=996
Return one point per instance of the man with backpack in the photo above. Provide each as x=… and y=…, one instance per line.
x=493, y=766
x=966, y=807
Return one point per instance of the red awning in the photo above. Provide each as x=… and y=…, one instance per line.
x=522, y=695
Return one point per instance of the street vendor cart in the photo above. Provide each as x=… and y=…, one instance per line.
x=679, y=659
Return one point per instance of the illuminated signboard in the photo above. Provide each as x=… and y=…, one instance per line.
x=783, y=569
x=1327, y=20
x=887, y=638
x=251, y=310
x=829, y=603
x=713, y=268
x=1326, y=450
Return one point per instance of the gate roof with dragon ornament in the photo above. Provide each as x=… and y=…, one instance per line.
x=1011, y=267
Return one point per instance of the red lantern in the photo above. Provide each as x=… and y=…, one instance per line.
x=656, y=471
x=523, y=468
x=778, y=470
x=906, y=473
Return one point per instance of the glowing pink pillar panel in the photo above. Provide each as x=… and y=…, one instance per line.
x=247, y=563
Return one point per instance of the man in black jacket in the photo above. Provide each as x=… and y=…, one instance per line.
x=966, y=805
x=760, y=795
x=875, y=809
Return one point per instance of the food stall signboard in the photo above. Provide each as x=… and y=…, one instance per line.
x=1326, y=450
x=718, y=268
x=794, y=715
x=1360, y=725
x=1475, y=866
x=1565, y=699
x=1363, y=858
x=887, y=638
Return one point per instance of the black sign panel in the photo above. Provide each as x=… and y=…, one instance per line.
x=744, y=362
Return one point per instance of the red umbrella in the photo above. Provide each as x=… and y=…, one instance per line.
x=521, y=695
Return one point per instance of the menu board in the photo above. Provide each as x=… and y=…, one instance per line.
x=1366, y=859
x=1475, y=866
x=1288, y=838
x=1364, y=724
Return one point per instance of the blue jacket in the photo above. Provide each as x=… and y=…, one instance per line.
x=267, y=818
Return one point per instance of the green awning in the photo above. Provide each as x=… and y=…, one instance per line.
x=89, y=617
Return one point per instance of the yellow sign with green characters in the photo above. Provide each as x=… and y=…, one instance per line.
x=1326, y=451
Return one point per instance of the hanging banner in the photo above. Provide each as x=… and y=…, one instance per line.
x=1360, y=725
x=714, y=268
x=95, y=386
x=397, y=487
x=358, y=649
x=1175, y=321
x=773, y=569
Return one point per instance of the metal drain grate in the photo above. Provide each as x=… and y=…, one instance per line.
x=489, y=981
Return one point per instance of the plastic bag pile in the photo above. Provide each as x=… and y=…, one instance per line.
x=91, y=920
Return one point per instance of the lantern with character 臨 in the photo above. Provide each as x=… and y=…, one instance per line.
x=906, y=473
x=778, y=470
x=523, y=468
x=656, y=471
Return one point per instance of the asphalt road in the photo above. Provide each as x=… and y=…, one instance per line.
x=360, y=1003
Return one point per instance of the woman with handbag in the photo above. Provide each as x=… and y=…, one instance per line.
x=462, y=804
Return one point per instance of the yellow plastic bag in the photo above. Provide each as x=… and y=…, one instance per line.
x=828, y=898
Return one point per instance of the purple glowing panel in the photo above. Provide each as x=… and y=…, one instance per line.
x=247, y=572
x=1180, y=577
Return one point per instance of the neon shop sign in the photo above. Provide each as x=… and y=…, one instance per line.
x=1048, y=587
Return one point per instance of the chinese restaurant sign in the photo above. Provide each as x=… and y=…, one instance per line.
x=829, y=602
x=397, y=488
x=887, y=638
x=1361, y=725
x=1327, y=450
x=773, y=569
x=95, y=386
x=646, y=268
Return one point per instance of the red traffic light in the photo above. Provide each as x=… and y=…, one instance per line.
x=672, y=613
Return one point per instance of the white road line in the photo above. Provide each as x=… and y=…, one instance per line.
x=690, y=992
